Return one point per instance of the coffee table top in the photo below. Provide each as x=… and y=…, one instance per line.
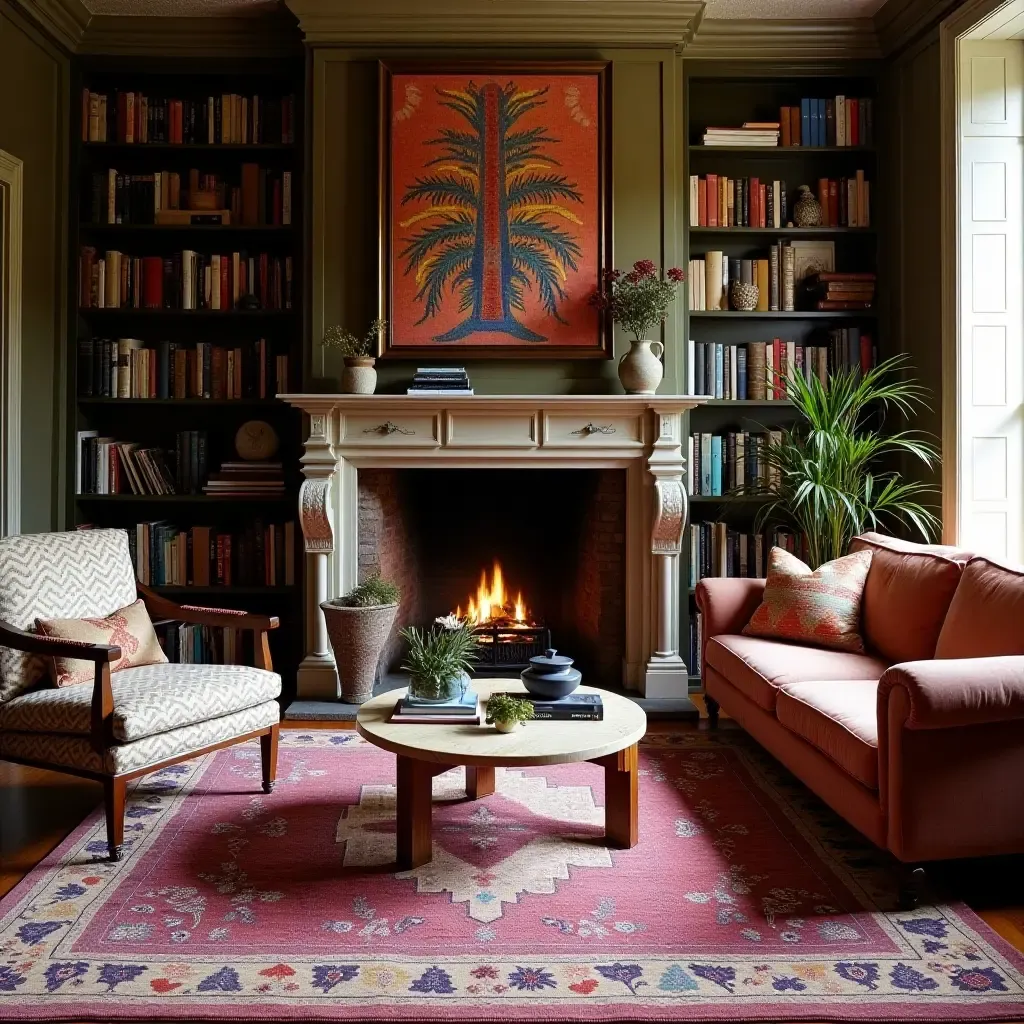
x=536, y=743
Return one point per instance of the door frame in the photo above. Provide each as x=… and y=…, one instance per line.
x=12, y=195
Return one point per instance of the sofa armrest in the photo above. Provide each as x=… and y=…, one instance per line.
x=726, y=605
x=953, y=692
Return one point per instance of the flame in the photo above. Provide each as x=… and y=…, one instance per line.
x=493, y=601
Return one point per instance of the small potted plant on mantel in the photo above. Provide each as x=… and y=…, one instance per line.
x=359, y=376
x=507, y=711
x=358, y=625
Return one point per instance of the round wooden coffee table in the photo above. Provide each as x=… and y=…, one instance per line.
x=424, y=751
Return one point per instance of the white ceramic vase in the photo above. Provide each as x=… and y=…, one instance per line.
x=640, y=368
x=359, y=376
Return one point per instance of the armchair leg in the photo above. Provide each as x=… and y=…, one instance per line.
x=268, y=754
x=712, y=705
x=114, y=791
x=914, y=889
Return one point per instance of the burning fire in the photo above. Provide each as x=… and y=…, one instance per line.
x=493, y=603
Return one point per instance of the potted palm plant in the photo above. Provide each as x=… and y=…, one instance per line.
x=439, y=659
x=832, y=475
x=359, y=377
x=358, y=625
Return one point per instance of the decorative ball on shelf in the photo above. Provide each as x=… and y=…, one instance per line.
x=806, y=209
x=743, y=297
x=256, y=441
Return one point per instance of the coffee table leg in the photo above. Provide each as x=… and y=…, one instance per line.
x=413, y=812
x=621, y=819
x=479, y=782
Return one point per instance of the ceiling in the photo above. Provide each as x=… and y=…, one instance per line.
x=809, y=9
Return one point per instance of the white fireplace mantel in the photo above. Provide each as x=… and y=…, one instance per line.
x=641, y=434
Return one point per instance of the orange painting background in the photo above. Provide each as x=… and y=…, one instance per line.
x=577, y=152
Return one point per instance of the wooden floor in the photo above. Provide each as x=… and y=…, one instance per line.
x=39, y=808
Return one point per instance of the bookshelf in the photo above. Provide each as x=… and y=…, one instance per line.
x=728, y=94
x=246, y=156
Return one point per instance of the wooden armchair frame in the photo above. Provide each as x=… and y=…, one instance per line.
x=101, y=735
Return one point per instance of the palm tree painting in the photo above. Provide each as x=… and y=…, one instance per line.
x=496, y=214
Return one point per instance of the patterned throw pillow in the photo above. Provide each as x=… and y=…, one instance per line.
x=129, y=628
x=820, y=607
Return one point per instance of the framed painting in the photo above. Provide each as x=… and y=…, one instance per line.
x=495, y=213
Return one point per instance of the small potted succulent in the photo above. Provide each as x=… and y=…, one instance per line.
x=358, y=625
x=507, y=711
x=359, y=377
x=439, y=659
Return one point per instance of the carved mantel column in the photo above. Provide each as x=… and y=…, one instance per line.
x=667, y=675
x=317, y=675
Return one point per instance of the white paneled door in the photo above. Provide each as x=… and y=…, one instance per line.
x=991, y=354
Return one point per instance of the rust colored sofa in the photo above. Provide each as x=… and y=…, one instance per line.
x=919, y=742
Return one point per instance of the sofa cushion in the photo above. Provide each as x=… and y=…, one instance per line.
x=907, y=594
x=759, y=668
x=986, y=616
x=819, y=607
x=838, y=719
x=51, y=575
x=147, y=700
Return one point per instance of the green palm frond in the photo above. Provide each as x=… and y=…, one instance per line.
x=563, y=244
x=543, y=188
x=448, y=261
x=539, y=264
x=467, y=108
x=455, y=227
x=443, y=188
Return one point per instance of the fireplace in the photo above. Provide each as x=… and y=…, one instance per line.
x=531, y=556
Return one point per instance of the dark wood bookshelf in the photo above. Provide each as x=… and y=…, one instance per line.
x=788, y=314
x=749, y=403
x=156, y=421
x=787, y=232
x=730, y=499
x=782, y=150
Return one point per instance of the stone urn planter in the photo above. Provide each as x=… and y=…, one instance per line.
x=640, y=369
x=357, y=636
x=359, y=377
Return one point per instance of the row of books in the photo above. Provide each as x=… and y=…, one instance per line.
x=721, y=463
x=720, y=201
x=440, y=380
x=775, y=277
x=186, y=643
x=835, y=121
x=130, y=368
x=719, y=549
x=466, y=710
x=246, y=480
x=104, y=465
x=260, y=196
x=185, y=280
x=227, y=119
x=752, y=133
x=259, y=555
x=757, y=371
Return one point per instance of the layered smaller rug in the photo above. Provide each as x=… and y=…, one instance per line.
x=745, y=899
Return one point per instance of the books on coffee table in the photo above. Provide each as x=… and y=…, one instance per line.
x=583, y=707
x=465, y=710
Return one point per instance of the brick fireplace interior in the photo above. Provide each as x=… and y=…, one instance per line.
x=558, y=535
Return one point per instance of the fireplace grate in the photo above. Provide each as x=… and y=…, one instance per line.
x=509, y=649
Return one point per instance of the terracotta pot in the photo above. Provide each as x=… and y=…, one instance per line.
x=359, y=376
x=640, y=369
x=357, y=637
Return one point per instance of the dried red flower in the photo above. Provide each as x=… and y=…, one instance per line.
x=645, y=268
x=675, y=274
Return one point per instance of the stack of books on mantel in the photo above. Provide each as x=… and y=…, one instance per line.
x=440, y=380
x=753, y=133
x=246, y=480
x=463, y=711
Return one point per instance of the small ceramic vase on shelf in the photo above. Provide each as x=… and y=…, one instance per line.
x=743, y=297
x=806, y=209
x=359, y=376
x=640, y=369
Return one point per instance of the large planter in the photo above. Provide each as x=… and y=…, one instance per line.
x=640, y=368
x=359, y=377
x=358, y=636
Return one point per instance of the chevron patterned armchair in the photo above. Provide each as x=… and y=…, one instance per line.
x=133, y=721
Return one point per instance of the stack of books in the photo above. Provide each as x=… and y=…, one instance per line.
x=246, y=480
x=835, y=290
x=440, y=380
x=753, y=133
x=463, y=711
x=584, y=707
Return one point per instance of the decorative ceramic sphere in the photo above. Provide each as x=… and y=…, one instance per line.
x=256, y=441
x=743, y=297
x=806, y=209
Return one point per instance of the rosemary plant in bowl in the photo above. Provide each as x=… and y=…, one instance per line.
x=439, y=659
x=506, y=711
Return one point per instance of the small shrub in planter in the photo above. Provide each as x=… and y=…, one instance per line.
x=439, y=659
x=358, y=625
x=506, y=711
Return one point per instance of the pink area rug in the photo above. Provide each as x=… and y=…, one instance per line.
x=745, y=899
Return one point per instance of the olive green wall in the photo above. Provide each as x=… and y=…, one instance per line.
x=647, y=182
x=33, y=127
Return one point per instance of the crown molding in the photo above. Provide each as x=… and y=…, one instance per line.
x=65, y=21
x=778, y=39
x=899, y=22
x=263, y=36
x=625, y=23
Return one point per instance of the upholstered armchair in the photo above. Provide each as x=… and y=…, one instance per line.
x=129, y=722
